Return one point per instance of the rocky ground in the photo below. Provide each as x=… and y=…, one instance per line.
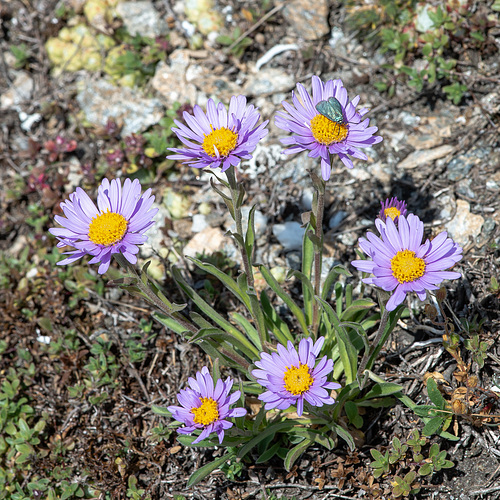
x=89, y=89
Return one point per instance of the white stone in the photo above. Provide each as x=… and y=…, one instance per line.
x=19, y=92
x=290, y=235
x=199, y=223
x=209, y=241
x=141, y=18
x=101, y=100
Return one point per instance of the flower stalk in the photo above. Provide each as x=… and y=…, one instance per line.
x=318, y=212
x=237, y=198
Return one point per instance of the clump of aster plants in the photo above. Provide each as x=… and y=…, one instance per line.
x=305, y=371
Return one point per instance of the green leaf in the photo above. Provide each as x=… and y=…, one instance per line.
x=432, y=426
x=307, y=266
x=270, y=430
x=348, y=353
x=277, y=326
x=294, y=308
x=427, y=49
x=294, y=454
x=226, y=280
x=204, y=471
x=205, y=308
x=268, y=454
x=161, y=410
x=383, y=389
x=170, y=323
x=331, y=277
x=316, y=437
x=250, y=235
x=249, y=329
x=353, y=415
x=344, y=434
x=240, y=342
x=425, y=470
x=434, y=395
x=357, y=306
x=430, y=411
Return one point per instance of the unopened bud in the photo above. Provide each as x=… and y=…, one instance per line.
x=441, y=294
x=430, y=311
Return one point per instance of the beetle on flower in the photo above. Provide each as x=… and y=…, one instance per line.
x=340, y=131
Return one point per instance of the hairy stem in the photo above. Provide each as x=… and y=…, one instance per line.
x=376, y=340
x=231, y=177
x=152, y=296
x=318, y=253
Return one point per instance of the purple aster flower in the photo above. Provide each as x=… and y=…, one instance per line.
x=341, y=133
x=392, y=208
x=219, y=138
x=116, y=225
x=291, y=377
x=402, y=263
x=206, y=408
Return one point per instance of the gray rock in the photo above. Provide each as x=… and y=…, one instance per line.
x=309, y=20
x=458, y=168
x=141, y=18
x=422, y=157
x=306, y=199
x=464, y=224
x=100, y=100
x=184, y=80
x=488, y=226
x=155, y=234
x=463, y=188
x=294, y=260
x=268, y=81
x=20, y=91
x=265, y=158
x=296, y=169
x=336, y=219
x=170, y=79
x=290, y=235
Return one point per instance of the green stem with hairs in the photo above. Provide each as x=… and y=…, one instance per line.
x=318, y=211
x=152, y=296
x=238, y=219
x=369, y=352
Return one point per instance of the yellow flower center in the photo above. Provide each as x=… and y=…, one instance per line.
x=107, y=228
x=207, y=413
x=406, y=267
x=222, y=140
x=297, y=380
x=392, y=212
x=327, y=132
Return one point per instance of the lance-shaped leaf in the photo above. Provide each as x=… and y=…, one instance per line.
x=204, y=471
x=275, y=324
x=241, y=343
x=205, y=308
x=226, y=280
x=348, y=353
x=307, y=265
x=295, y=452
x=294, y=308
